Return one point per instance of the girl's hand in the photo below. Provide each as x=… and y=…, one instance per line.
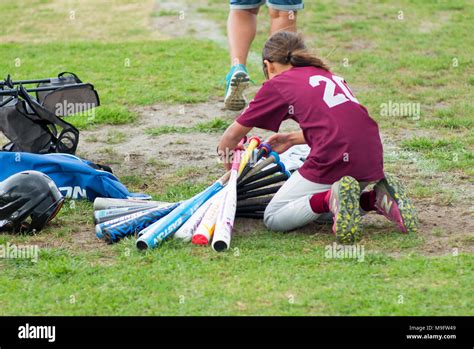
x=227, y=165
x=230, y=140
x=280, y=142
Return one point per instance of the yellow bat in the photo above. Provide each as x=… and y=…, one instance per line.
x=254, y=142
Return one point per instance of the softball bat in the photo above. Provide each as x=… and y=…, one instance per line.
x=262, y=174
x=262, y=200
x=99, y=228
x=186, y=231
x=259, y=192
x=264, y=182
x=254, y=208
x=156, y=233
x=226, y=214
x=204, y=231
x=120, y=230
x=254, y=142
x=271, y=159
x=107, y=215
x=107, y=203
x=264, y=150
x=255, y=215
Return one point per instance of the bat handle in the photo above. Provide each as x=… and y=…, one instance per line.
x=254, y=142
x=265, y=148
x=236, y=160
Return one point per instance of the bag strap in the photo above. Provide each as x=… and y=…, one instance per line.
x=100, y=167
x=76, y=78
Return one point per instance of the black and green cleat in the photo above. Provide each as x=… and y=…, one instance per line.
x=393, y=202
x=344, y=205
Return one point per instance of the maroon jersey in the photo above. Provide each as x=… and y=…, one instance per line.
x=343, y=138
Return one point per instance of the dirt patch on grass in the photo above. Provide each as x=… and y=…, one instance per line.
x=181, y=19
x=80, y=239
x=442, y=19
x=446, y=214
x=170, y=151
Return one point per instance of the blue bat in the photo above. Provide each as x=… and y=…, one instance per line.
x=156, y=233
x=114, y=233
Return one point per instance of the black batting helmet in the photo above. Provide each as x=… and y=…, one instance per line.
x=28, y=201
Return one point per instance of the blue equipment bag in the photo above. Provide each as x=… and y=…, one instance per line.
x=75, y=178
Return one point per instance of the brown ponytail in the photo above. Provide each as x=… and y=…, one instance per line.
x=289, y=48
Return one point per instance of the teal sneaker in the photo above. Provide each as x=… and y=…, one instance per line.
x=237, y=81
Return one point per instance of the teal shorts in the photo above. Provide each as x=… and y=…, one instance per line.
x=281, y=5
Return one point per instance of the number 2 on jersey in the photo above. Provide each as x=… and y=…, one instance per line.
x=331, y=98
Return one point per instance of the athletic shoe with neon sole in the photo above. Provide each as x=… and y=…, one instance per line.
x=392, y=201
x=237, y=81
x=344, y=205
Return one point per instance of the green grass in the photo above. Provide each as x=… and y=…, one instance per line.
x=125, y=75
x=115, y=137
x=447, y=154
x=445, y=197
x=165, y=13
x=425, y=58
x=166, y=129
x=212, y=126
x=253, y=278
x=179, y=279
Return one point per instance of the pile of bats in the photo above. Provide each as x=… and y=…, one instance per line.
x=208, y=217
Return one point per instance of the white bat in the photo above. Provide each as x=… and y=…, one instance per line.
x=187, y=230
x=108, y=203
x=158, y=232
x=205, y=229
x=226, y=215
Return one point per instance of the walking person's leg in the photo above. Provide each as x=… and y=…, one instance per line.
x=283, y=14
x=282, y=21
x=241, y=30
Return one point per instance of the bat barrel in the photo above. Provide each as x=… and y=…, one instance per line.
x=220, y=246
x=156, y=233
x=226, y=214
x=186, y=231
x=102, y=216
x=255, y=215
x=114, y=233
x=108, y=203
x=262, y=174
x=253, y=208
x=263, y=183
x=259, y=192
x=142, y=245
x=263, y=200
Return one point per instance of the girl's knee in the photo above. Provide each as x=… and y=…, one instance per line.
x=272, y=221
x=269, y=221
